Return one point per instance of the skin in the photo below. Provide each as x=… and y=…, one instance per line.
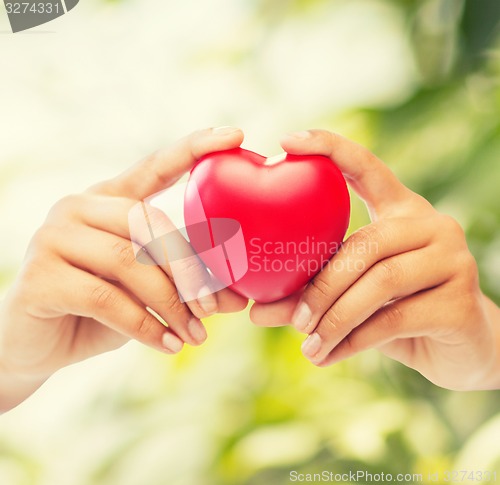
x=406, y=284
x=71, y=302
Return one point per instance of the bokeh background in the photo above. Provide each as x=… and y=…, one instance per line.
x=81, y=98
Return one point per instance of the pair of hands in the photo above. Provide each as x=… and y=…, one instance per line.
x=413, y=293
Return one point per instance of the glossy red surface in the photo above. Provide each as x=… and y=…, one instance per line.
x=293, y=215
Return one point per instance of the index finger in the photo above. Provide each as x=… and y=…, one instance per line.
x=372, y=180
x=164, y=167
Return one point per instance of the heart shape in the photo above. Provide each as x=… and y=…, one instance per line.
x=265, y=226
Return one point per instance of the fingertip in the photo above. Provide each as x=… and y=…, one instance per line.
x=270, y=314
x=311, y=347
x=197, y=331
x=231, y=302
x=300, y=135
x=292, y=141
x=259, y=315
x=207, y=301
x=275, y=314
x=314, y=139
x=215, y=139
x=311, y=142
x=171, y=343
x=225, y=131
x=240, y=304
x=256, y=315
x=302, y=318
x=227, y=136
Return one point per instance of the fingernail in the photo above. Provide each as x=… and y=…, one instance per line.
x=224, y=130
x=300, y=134
x=197, y=330
x=302, y=317
x=172, y=343
x=311, y=345
x=207, y=301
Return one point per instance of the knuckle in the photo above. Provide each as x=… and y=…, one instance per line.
x=467, y=261
x=173, y=304
x=191, y=270
x=103, y=297
x=371, y=233
x=319, y=289
x=366, y=241
x=124, y=253
x=67, y=205
x=38, y=238
x=351, y=344
x=332, y=320
x=451, y=227
x=152, y=170
x=388, y=273
x=191, y=265
x=467, y=267
x=160, y=224
x=365, y=234
x=146, y=326
x=392, y=316
x=43, y=238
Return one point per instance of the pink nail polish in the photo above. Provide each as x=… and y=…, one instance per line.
x=302, y=318
x=207, y=301
x=197, y=330
x=311, y=345
x=172, y=343
x=224, y=130
x=303, y=135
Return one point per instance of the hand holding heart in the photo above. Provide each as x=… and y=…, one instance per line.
x=81, y=290
x=293, y=212
x=414, y=295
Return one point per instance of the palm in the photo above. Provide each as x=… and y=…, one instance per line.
x=56, y=342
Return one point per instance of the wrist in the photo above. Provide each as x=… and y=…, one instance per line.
x=15, y=387
x=491, y=378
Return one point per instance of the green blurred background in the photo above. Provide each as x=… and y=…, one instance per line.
x=417, y=81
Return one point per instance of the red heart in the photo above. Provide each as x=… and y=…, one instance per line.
x=293, y=211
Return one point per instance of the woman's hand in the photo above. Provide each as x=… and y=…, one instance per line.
x=81, y=290
x=405, y=284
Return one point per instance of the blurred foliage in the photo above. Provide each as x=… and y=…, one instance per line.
x=246, y=408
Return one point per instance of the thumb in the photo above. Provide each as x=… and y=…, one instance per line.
x=371, y=179
x=164, y=167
